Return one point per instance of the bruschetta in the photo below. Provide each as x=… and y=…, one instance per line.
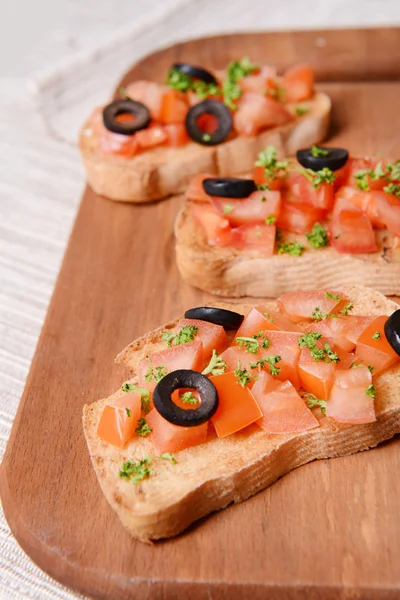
x=326, y=219
x=226, y=399
x=154, y=138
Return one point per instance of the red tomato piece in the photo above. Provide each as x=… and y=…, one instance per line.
x=118, y=420
x=259, y=238
x=176, y=135
x=284, y=411
x=237, y=406
x=264, y=384
x=298, y=83
x=348, y=402
x=335, y=329
x=171, y=438
x=278, y=321
x=387, y=208
x=212, y=336
x=254, y=322
x=355, y=165
x=115, y=143
x=352, y=232
x=350, y=198
x=255, y=209
x=286, y=346
x=346, y=359
x=195, y=190
x=216, y=228
x=316, y=377
x=184, y=356
x=355, y=325
x=149, y=93
x=298, y=218
x=260, y=178
x=257, y=82
x=374, y=349
x=299, y=306
x=174, y=107
x=299, y=189
x=256, y=112
x=154, y=135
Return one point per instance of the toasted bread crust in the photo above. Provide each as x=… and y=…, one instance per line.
x=210, y=476
x=163, y=172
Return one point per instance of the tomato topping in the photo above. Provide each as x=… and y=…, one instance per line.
x=212, y=336
x=176, y=134
x=387, y=208
x=346, y=175
x=184, y=356
x=299, y=189
x=174, y=107
x=346, y=359
x=255, y=237
x=149, y=93
x=154, y=135
x=261, y=318
x=284, y=411
x=171, y=438
x=255, y=209
x=260, y=178
x=298, y=218
x=300, y=306
x=373, y=348
x=277, y=320
x=348, y=401
x=116, y=143
x=217, y=229
x=237, y=406
x=195, y=190
x=316, y=377
x=255, y=112
x=352, y=232
x=118, y=421
x=298, y=83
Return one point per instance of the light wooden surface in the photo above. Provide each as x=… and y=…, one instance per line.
x=329, y=529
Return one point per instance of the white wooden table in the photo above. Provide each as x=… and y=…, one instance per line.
x=55, y=64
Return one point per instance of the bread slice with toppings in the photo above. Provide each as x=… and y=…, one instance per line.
x=162, y=172
x=214, y=474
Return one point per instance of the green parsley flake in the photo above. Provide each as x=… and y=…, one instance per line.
x=145, y=395
x=376, y=335
x=276, y=93
x=317, y=178
x=332, y=296
x=371, y=391
x=242, y=375
x=364, y=176
x=262, y=187
x=168, y=456
x=314, y=402
x=317, y=315
x=293, y=248
x=318, y=238
x=347, y=309
x=143, y=428
x=273, y=167
x=178, y=80
x=206, y=137
x=392, y=188
x=393, y=171
x=250, y=344
x=317, y=152
x=188, y=398
x=216, y=366
x=136, y=471
x=270, y=220
x=269, y=360
x=302, y=110
x=128, y=411
x=185, y=335
x=228, y=208
x=203, y=89
x=157, y=374
x=326, y=354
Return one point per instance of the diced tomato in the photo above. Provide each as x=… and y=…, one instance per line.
x=176, y=134
x=355, y=165
x=382, y=209
x=237, y=406
x=374, y=349
x=212, y=336
x=118, y=420
x=115, y=143
x=286, y=346
x=387, y=207
x=149, y=93
x=216, y=228
x=299, y=306
x=355, y=325
x=256, y=112
x=234, y=354
x=260, y=179
x=195, y=190
x=345, y=200
x=264, y=384
x=184, y=356
x=348, y=401
x=255, y=209
x=257, y=82
x=284, y=411
x=254, y=322
x=299, y=189
x=335, y=329
x=298, y=218
x=278, y=321
x=171, y=438
x=154, y=135
x=316, y=377
x=352, y=232
x=298, y=83
x=346, y=359
x=174, y=107
x=258, y=238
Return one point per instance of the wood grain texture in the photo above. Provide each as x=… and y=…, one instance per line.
x=328, y=530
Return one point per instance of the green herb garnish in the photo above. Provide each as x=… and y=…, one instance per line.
x=185, y=335
x=313, y=402
x=188, y=398
x=143, y=428
x=332, y=296
x=216, y=366
x=136, y=471
x=270, y=220
x=242, y=375
x=145, y=394
x=392, y=188
x=317, y=178
x=156, y=373
x=371, y=391
x=293, y=248
x=316, y=151
x=302, y=110
x=168, y=456
x=179, y=81
x=376, y=335
x=128, y=411
x=228, y=208
x=273, y=167
x=318, y=238
x=269, y=360
x=250, y=344
x=347, y=309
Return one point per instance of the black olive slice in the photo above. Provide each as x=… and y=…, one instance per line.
x=195, y=72
x=209, y=107
x=392, y=331
x=126, y=106
x=334, y=160
x=184, y=378
x=219, y=316
x=229, y=187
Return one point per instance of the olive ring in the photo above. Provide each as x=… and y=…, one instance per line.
x=126, y=106
x=392, y=331
x=195, y=72
x=219, y=111
x=229, y=187
x=228, y=319
x=334, y=159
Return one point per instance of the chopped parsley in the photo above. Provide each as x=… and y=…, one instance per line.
x=188, y=398
x=269, y=360
x=178, y=80
x=136, y=471
x=228, y=208
x=332, y=296
x=360, y=364
x=317, y=315
x=393, y=171
x=250, y=344
x=273, y=167
x=270, y=220
x=185, y=335
x=157, y=374
x=262, y=187
x=326, y=354
x=376, y=335
x=293, y=248
x=301, y=110
x=363, y=176
x=313, y=402
x=392, y=188
x=316, y=151
x=236, y=70
x=347, y=309
x=268, y=316
x=128, y=411
x=242, y=375
x=143, y=428
x=318, y=238
x=145, y=395
x=371, y=391
x=216, y=366
x=317, y=178
x=276, y=93
x=307, y=340
x=206, y=137
x=203, y=89
x=168, y=456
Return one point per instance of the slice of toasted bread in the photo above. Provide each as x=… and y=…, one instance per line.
x=163, y=172
x=225, y=271
x=212, y=475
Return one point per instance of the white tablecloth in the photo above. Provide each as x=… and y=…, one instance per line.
x=74, y=53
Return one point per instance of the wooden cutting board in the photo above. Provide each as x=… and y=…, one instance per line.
x=330, y=529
